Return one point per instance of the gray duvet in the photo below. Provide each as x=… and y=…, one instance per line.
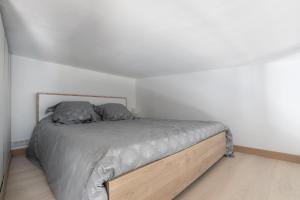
x=78, y=159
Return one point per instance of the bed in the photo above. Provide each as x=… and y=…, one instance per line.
x=128, y=159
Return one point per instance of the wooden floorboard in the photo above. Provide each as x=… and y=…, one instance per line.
x=244, y=177
x=26, y=181
x=247, y=177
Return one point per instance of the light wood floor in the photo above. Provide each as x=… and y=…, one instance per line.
x=245, y=177
x=26, y=181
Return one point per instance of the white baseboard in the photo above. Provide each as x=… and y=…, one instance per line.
x=19, y=144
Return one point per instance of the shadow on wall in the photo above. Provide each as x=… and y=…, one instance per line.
x=172, y=109
x=235, y=96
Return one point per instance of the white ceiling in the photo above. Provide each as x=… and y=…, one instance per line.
x=142, y=38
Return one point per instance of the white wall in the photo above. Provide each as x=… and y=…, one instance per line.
x=31, y=76
x=4, y=103
x=260, y=103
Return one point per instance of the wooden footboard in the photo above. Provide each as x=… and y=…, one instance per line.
x=166, y=178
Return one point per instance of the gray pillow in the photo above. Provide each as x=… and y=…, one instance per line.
x=73, y=112
x=113, y=112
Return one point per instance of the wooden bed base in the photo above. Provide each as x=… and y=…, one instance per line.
x=166, y=178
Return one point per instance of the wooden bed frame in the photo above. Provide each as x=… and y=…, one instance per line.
x=166, y=178
x=163, y=179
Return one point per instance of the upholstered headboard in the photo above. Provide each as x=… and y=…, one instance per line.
x=46, y=100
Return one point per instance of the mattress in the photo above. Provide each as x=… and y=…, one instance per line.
x=79, y=158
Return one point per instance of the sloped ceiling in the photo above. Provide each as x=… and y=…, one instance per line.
x=142, y=38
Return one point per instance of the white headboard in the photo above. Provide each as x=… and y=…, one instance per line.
x=46, y=100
